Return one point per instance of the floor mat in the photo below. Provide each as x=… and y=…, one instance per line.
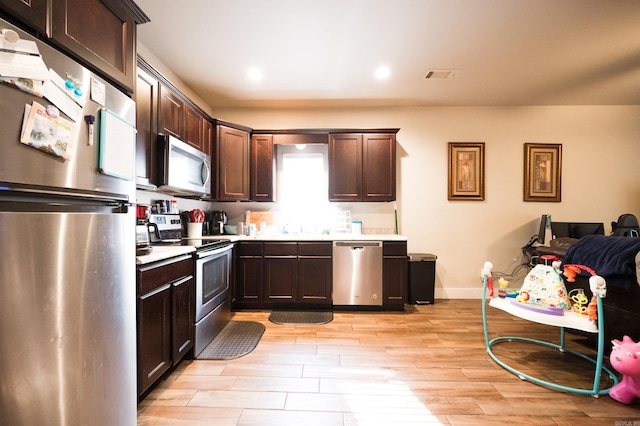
x=301, y=317
x=236, y=339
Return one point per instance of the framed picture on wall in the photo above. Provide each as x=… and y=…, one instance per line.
x=542, y=172
x=466, y=171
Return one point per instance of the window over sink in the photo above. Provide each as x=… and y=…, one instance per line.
x=302, y=182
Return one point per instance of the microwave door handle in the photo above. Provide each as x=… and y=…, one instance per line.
x=206, y=176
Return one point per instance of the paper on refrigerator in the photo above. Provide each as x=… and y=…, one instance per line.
x=22, y=59
x=53, y=135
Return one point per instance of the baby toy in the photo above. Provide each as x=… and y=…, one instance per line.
x=502, y=291
x=625, y=358
x=543, y=286
x=598, y=287
x=486, y=272
x=579, y=301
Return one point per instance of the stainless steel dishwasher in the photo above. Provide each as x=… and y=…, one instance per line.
x=357, y=273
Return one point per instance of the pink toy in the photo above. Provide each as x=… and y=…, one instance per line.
x=625, y=358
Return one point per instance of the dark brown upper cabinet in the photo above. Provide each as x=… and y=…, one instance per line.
x=362, y=166
x=262, y=168
x=146, y=97
x=171, y=118
x=232, y=160
x=194, y=125
x=345, y=167
x=33, y=14
x=378, y=167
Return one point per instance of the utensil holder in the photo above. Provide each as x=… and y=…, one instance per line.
x=194, y=229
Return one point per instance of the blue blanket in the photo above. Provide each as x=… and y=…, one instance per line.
x=611, y=257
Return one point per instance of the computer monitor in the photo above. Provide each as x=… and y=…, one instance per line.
x=560, y=230
x=581, y=229
x=576, y=229
x=542, y=227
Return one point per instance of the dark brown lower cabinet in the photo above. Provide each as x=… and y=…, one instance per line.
x=272, y=275
x=248, y=285
x=182, y=318
x=315, y=273
x=280, y=272
x=165, y=317
x=154, y=334
x=394, y=274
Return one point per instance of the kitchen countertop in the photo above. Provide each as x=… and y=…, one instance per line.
x=166, y=252
x=163, y=252
x=311, y=237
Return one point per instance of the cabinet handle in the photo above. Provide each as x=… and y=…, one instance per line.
x=156, y=291
x=183, y=280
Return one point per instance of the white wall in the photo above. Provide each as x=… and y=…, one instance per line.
x=600, y=176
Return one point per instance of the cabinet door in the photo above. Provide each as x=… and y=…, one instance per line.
x=248, y=287
x=182, y=317
x=281, y=279
x=171, y=117
x=154, y=336
x=314, y=280
x=394, y=274
x=193, y=128
x=345, y=167
x=233, y=163
x=146, y=96
x=101, y=33
x=207, y=137
x=262, y=164
x=378, y=167
x=32, y=13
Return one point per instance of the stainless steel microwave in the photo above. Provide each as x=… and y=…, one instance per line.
x=182, y=169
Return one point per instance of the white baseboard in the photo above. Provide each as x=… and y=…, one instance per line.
x=458, y=293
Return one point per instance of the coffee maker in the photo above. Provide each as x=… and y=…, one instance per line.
x=143, y=243
x=218, y=220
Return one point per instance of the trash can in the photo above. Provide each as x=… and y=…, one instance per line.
x=422, y=278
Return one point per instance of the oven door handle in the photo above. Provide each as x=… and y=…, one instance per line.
x=214, y=252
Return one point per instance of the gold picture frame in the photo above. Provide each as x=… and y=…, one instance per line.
x=542, y=172
x=466, y=171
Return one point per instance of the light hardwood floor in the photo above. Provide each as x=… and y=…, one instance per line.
x=427, y=365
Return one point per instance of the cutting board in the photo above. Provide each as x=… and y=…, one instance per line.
x=258, y=217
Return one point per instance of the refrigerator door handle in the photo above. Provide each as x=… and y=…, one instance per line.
x=21, y=190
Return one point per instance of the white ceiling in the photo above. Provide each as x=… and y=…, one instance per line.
x=324, y=53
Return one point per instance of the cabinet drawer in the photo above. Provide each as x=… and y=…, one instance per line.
x=280, y=249
x=315, y=248
x=155, y=276
x=249, y=249
x=394, y=248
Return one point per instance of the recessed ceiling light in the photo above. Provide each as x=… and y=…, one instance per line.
x=254, y=74
x=382, y=73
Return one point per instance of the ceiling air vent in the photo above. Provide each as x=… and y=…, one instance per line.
x=440, y=74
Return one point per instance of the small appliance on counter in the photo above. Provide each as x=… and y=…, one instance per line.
x=167, y=229
x=218, y=221
x=143, y=243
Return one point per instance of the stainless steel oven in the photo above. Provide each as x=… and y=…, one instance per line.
x=213, y=306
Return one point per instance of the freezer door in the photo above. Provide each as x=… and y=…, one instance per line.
x=67, y=317
x=22, y=164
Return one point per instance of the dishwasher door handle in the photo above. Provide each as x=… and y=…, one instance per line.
x=357, y=248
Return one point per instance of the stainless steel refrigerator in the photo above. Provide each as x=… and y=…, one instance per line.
x=67, y=266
